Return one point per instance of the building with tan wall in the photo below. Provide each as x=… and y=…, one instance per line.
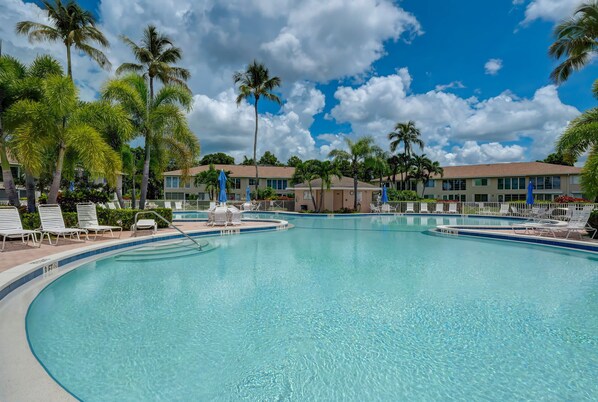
x=276, y=177
x=503, y=182
x=339, y=196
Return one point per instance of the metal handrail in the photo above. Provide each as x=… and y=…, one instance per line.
x=170, y=225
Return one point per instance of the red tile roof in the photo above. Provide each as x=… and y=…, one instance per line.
x=508, y=169
x=265, y=172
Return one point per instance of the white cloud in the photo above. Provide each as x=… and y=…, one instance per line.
x=493, y=66
x=548, y=10
x=455, y=128
x=451, y=85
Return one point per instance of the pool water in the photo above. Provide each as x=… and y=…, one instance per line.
x=352, y=309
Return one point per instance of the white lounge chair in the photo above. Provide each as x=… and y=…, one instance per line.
x=578, y=223
x=87, y=217
x=439, y=208
x=514, y=210
x=220, y=216
x=374, y=208
x=387, y=208
x=53, y=224
x=144, y=224
x=483, y=210
x=423, y=208
x=452, y=208
x=11, y=227
x=409, y=208
x=167, y=204
x=504, y=209
x=178, y=206
x=247, y=206
x=235, y=215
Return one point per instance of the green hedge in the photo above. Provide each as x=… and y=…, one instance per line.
x=113, y=217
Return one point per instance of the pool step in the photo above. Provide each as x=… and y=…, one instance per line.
x=166, y=251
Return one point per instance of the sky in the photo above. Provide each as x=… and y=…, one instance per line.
x=473, y=75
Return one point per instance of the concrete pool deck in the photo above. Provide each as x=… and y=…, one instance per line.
x=22, y=377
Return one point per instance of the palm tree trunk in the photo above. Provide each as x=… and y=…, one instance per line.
x=9, y=183
x=257, y=177
x=311, y=194
x=145, y=178
x=321, y=196
x=133, y=194
x=355, y=190
x=53, y=195
x=119, y=190
x=69, y=71
x=30, y=188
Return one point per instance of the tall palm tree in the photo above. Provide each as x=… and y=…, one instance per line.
x=580, y=136
x=60, y=124
x=256, y=83
x=424, y=168
x=406, y=134
x=393, y=164
x=378, y=163
x=155, y=57
x=576, y=40
x=73, y=26
x=325, y=171
x=359, y=152
x=160, y=120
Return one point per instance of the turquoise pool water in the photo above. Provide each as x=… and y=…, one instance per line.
x=358, y=309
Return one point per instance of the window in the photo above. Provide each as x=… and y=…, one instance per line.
x=172, y=182
x=480, y=182
x=543, y=197
x=252, y=182
x=429, y=183
x=511, y=183
x=546, y=182
x=236, y=183
x=306, y=195
x=453, y=185
x=480, y=197
x=511, y=197
x=454, y=197
x=279, y=184
x=573, y=179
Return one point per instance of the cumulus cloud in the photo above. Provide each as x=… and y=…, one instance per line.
x=493, y=66
x=455, y=128
x=451, y=85
x=548, y=10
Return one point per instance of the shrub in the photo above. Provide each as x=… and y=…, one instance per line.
x=565, y=199
x=404, y=195
x=68, y=200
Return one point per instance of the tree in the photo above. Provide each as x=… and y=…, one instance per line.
x=60, y=124
x=210, y=179
x=255, y=82
x=359, y=152
x=408, y=135
x=378, y=163
x=558, y=159
x=325, y=171
x=247, y=161
x=424, y=168
x=294, y=161
x=73, y=26
x=160, y=120
x=575, y=40
x=394, y=165
x=306, y=172
x=269, y=159
x=217, y=159
x=580, y=136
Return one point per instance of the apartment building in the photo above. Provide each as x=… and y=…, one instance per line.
x=16, y=174
x=503, y=182
x=276, y=177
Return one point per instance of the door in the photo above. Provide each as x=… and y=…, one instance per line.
x=337, y=202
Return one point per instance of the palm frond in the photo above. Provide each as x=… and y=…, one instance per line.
x=95, y=54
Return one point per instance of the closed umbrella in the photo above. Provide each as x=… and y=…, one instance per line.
x=384, y=195
x=530, y=194
x=222, y=183
x=247, y=194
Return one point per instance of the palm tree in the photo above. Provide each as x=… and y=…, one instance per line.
x=155, y=55
x=73, y=26
x=378, y=163
x=580, y=136
x=255, y=82
x=359, y=152
x=60, y=124
x=394, y=165
x=306, y=172
x=160, y=120
x=325, y=171
x=575, y=40
x=408, y=135
x=424, y=168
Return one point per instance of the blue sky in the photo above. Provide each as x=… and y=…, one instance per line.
x=356, y=68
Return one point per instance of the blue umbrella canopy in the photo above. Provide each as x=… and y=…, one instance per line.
x=530, y=194
x=384, y=195
x=222, y=184
x=247, y=194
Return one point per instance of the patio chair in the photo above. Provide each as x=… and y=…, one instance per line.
x=439, y=208
x=144, y=224
x=483, y=209
x=87, y=217
x=452, y=208
x=11, y=227
x=374, y=208
x=578, y=223
x=167, y=204
x=178, y=206
x=53, y=224
x=387, y=208
x=235, y=215
x=514, y=210
x=423, y=208
x=409, y=208
x=220, y=216
x=504, y=209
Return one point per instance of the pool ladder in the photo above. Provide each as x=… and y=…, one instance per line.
x=170, y=225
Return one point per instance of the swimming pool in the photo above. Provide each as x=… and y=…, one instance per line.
x=352, y=308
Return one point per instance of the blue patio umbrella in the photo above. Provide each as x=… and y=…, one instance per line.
x=384, y=195
x=72, y=186
x=222, y=183
x=530, y=194
x=247, y=194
